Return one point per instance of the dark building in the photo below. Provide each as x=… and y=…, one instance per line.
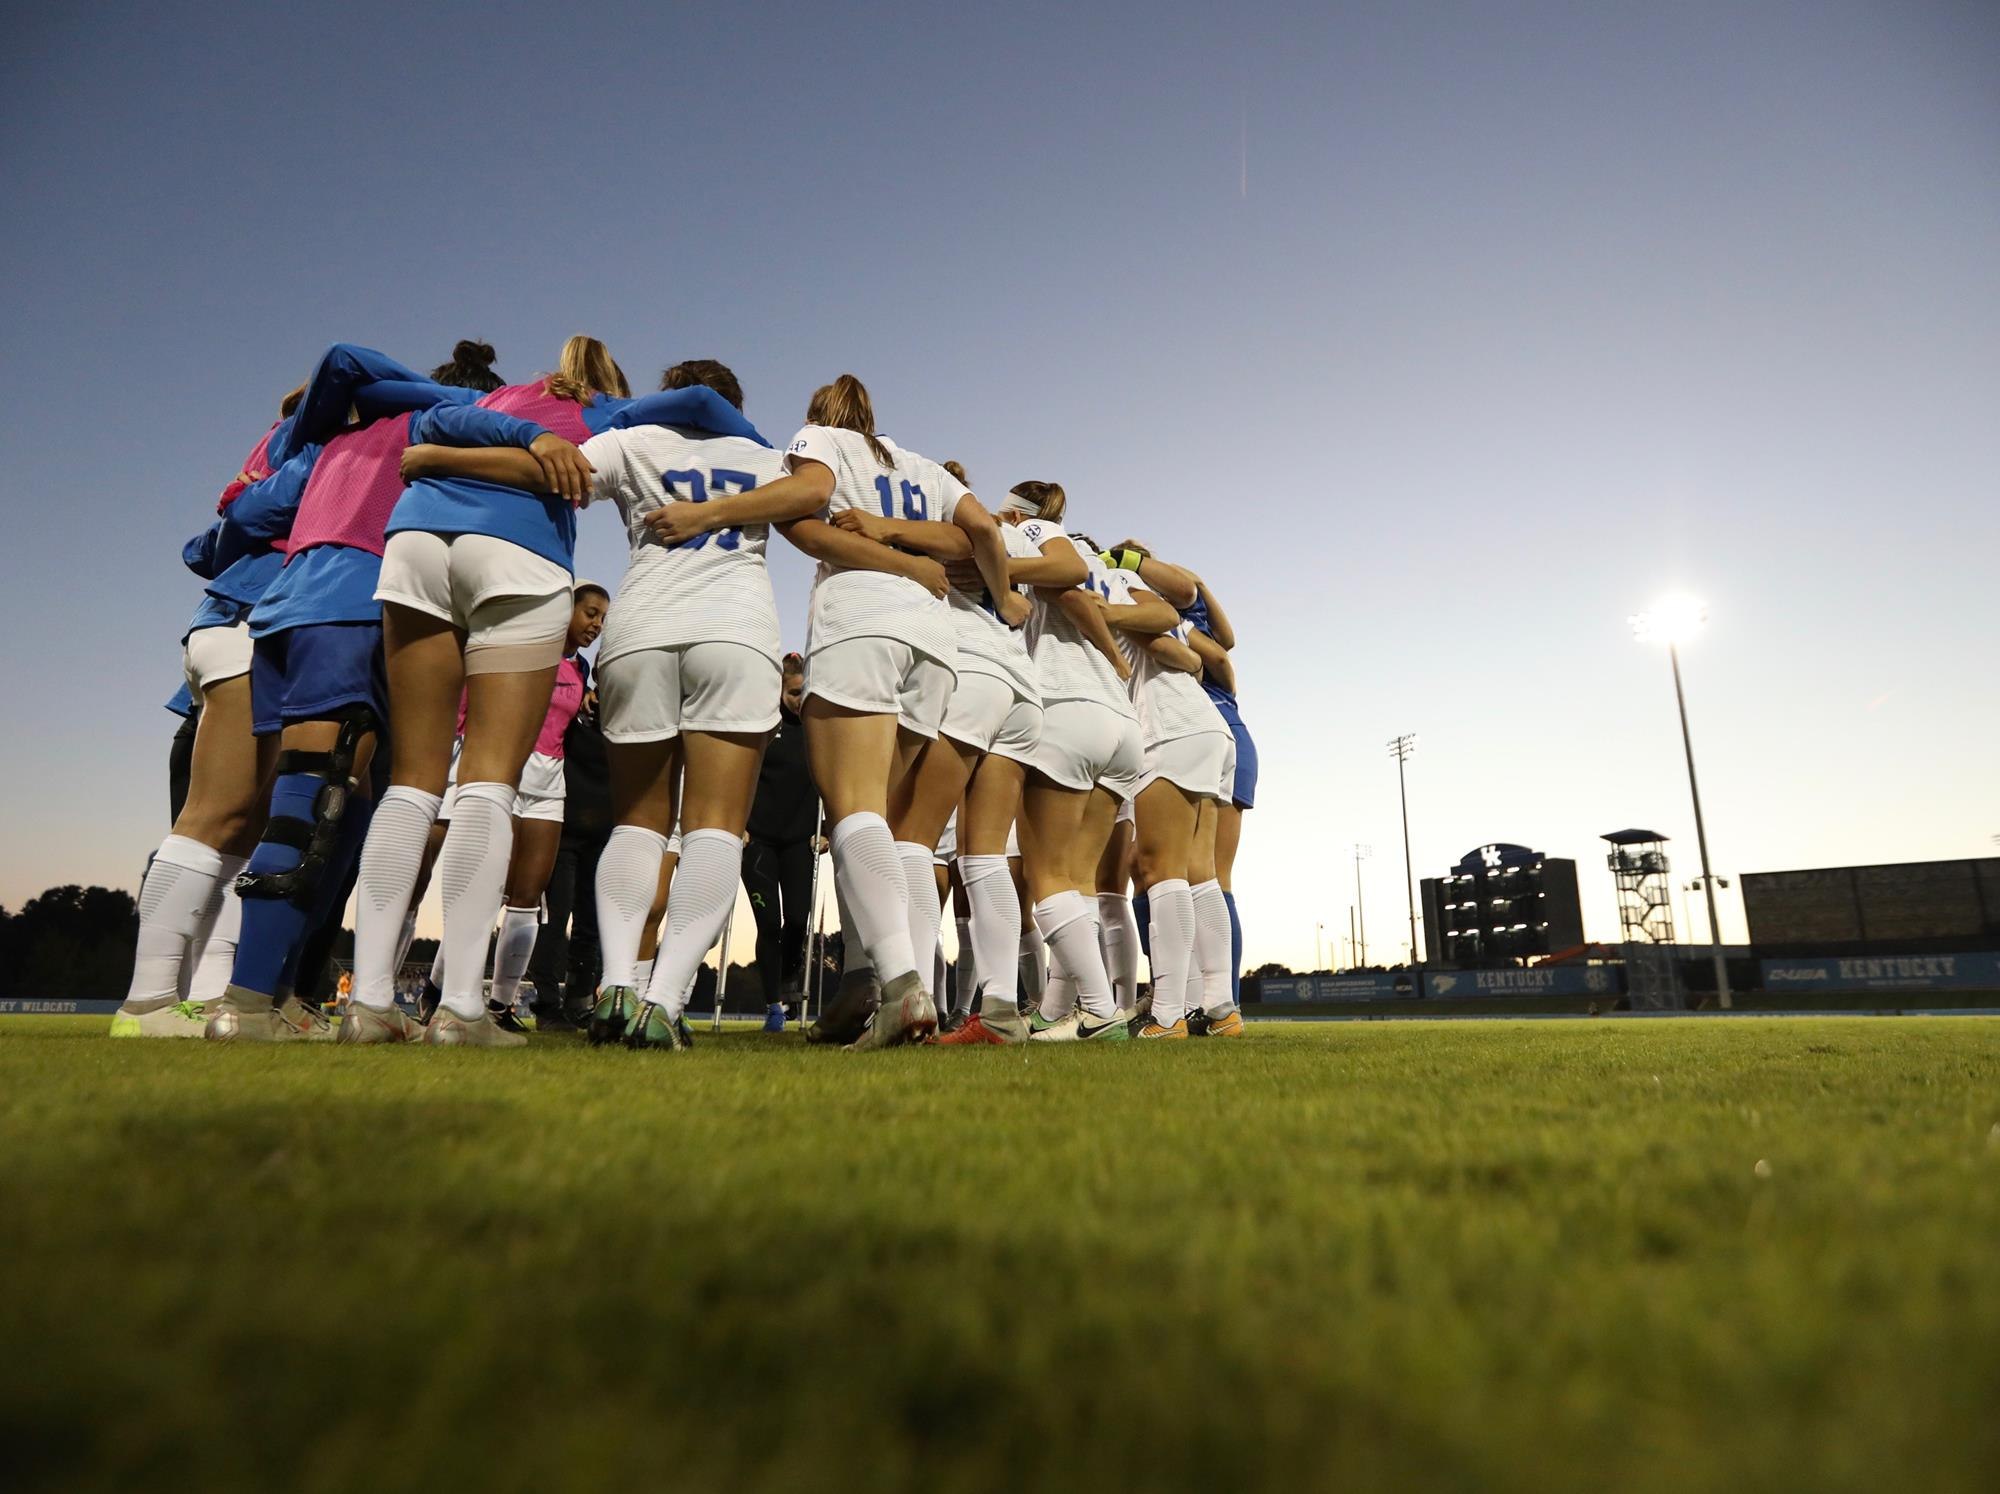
x=1501, y=905
x=1851, y=909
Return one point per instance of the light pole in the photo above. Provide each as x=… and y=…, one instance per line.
x=1400, y=748
x=1672, y=621
x=1360, y=908
x=1319, y=958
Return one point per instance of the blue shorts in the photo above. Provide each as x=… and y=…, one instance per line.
x=1244, y=795
x=309, y=672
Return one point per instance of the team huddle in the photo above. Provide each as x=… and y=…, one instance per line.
x=993, y=709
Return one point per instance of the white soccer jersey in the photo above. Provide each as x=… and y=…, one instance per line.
x=987, y=645
x=875, y=604
x=713, y=588
x=1171, y=704
x=1068, y=665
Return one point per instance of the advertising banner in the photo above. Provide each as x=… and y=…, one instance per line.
x=1544, y=980
x=1364, y=986
x=1941, y=972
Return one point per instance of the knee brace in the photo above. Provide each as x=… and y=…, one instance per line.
x=314, y=839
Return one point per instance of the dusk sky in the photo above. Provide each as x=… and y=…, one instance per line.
x=1438, y=338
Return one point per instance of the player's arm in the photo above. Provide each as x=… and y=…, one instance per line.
x=799, y=494
x=1169, y=581
x=1146, y=615
x=1058, y=567
x=563, y=469
x=822, y=541
x=1174, y=654
x=1215, y=660
x=507, y=465
x=1218, y=620
x=944, y=542
x=989, y=553
x=1084, y=609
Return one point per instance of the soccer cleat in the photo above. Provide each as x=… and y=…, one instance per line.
x=684, y=1032
x=366, y=1025
x=971, y=1033
x=428, y=999
x=1197, y=1023
x=1039, y=1024
x=843, y=1020
x=951, y=1021
x=552, y=1014
x=1113, y=1029
x=1062, y=1030
x=905, y=1016
x=241, y=1015
x=1152, y=1029
x=449, y=1030
x=612, y=1015
x=651, y=1027
x=774, y=1019
x=506, y=1018
x=1229, y=1024
x=177, y=1019
x=301, y=1021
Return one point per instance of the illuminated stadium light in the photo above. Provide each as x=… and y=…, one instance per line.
x=1673, y=619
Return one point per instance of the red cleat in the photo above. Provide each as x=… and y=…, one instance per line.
x=974, y=1031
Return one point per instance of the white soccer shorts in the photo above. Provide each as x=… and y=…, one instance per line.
x=1194, y=763
x=652, y=694
x=211, y=655
x=513, y=604
x=988, y=715
x=884, y=677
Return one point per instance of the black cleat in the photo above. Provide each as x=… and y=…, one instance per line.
x=843, y=1018
x=612, y=1015
x=506, y=1019
x=428, y=999
x=649, y=1028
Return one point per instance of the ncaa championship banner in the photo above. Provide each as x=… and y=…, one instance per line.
x=1942, y=972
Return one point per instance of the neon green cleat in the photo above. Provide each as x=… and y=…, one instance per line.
x=177, y=1019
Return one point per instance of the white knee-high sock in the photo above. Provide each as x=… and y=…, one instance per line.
x=472, y=870
x=1034, y=964
x=1211, y=946
x=182, y=883
x=853, y=953
x=1173, y=948
x=216, y=939
x=391, y=859
x=518, y=927
x=1118, y=930
x=920, y=887
x=698, y=904
x=437, y=966
x=995, y=954
x=642, y=976
x=1068, y=920
x=1058, y=997
x=628, y=874
x=965, y=974
x=866, y=866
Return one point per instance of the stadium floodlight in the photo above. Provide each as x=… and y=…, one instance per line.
x=1360, y=909
x=1674, y=620
x=1400, y=748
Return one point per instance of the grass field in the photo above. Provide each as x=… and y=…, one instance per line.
x=1670, y=1254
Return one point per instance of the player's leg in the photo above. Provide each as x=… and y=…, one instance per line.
x=1119, y=929
x=426, y=674
x=763, y=885
x=1164, y=843
x=986, y=818
x=1069, y=921
x=188, y=896
x=536, y=842
x=639, y=704
x=924, y=802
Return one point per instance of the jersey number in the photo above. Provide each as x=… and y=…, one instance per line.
x=915, y=506
x=694, y=487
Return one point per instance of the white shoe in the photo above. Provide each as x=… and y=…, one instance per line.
x=177, y=1019
x=1063, y=1030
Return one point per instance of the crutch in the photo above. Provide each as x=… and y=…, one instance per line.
x=722, y=969
x=809, y=983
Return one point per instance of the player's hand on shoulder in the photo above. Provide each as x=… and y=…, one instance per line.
x=867, y=525
x=566, y=470
x=676, y=523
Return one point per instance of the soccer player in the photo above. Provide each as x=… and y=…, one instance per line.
x=779, y=857
x=881, y=663
x=987, y=739
x=188, y=902
x=1187, y=753
x=1088, y=735
x=317, y=685
x=1214, y=639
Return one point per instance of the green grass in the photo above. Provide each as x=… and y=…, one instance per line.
x=1511, y=1256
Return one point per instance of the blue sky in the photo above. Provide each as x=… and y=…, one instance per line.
x=1438, y=338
